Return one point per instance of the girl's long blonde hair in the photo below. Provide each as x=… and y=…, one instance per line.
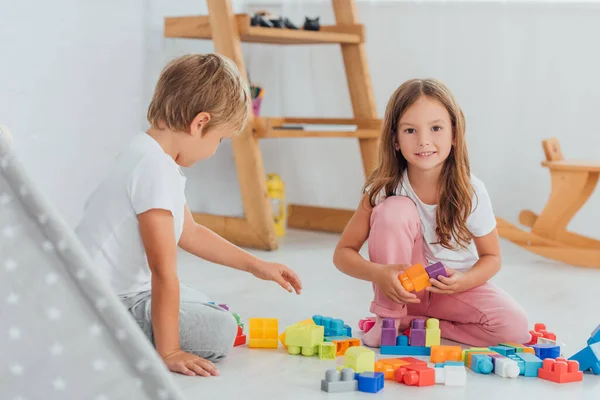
x=456, y=190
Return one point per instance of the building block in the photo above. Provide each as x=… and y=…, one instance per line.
x=595, y=336
x=482, y=364
x=388, y=332
x=440, y=373
x=348, y=330
x=519, y=348
x=415, y=278
x=560, y=371
x=417, y=332
x=440, y=354
x=342, y=345
x=455, y=363
x=405, y=350
x=303, y=339
x=415, y=375
x=388, y=366
x=436, y=270
x=520, y=363
x=308, y=321
x=326, y=351
x=333, y=338
x=588, y=358
x=506, y=367
x=455, y=375
x=402, y=340
x=333, y=326
x=544, y=351
x=505, y=351
x=532, y=364
x=465, y=353
x=336, y=381
x=366, y=324
x=370, y=382
x=360, y=359
x=473, y=353
x=263, y=333
x=432, y=332
x=240, y=338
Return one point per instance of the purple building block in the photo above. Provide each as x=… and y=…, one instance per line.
x=388, y=332
x=435, y=270
x=417, y=332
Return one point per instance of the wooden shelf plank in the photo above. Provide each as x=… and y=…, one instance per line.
x=267, y=127
x=574, y=165
x=332, y=220
x=198, y=27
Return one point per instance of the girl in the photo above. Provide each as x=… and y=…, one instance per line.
x=422, y=205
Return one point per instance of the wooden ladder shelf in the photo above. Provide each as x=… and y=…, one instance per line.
x=256, y=229
x=572, y=184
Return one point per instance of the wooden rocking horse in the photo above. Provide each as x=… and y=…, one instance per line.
x=572, y=184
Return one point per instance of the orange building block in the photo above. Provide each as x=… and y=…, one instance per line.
x=415, y=278
x=388, y=366
x=342, y=345
x=440, y=354
x=263, y=333
x=560, y=371
x=415, y=375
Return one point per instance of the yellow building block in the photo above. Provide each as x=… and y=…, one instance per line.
x=263, y=332
x=305, y=322
x=432, y=333
x=304, y=339
x=326, y=351
x=360, y=359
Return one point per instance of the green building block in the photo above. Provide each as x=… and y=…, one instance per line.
x=304, y=339
x=327, y=351
x=360, y=359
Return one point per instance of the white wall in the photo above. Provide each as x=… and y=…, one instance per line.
x=70, y=89
x=522, y=73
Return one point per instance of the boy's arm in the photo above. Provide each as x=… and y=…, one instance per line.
x=204, y=243
x=158, y=235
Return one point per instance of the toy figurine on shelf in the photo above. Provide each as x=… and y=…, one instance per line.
x=267, y=20
x=312, y=24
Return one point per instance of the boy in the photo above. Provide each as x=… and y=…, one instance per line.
x=134, y=221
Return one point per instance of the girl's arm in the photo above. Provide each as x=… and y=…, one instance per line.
x=348, y=260
x=204, y=243
x=158, y=236
x=488, y=248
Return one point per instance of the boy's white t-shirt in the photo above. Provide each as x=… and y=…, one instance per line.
x=142, y=178
x=481, y=222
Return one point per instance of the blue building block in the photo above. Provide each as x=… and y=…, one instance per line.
x=402, y=340
x=332, y=338
x=455, y=363
x=406, y=350
x=369, y=382
x=505, y=351
x=532, y=364
x=589, y=358
x=348, y=330
x=519, y=362
x=333, y=327
x=595, y=337
x=481, y=363
x=543, y=350
x=438, y=365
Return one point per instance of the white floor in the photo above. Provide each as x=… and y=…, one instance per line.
x=562, y=296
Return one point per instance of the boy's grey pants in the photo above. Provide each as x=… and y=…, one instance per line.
x=205, y=330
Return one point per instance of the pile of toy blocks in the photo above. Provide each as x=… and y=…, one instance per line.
x=589, y=357
x=421, y=336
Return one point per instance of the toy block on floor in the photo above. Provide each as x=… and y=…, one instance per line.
x=336, y=381
x=415, y=375
x=366, y=324
x=455, y=375
x=370, y=382
x=532, y=364
x=388, y=332
x=263, y=333
x=414, y=279
x=481, y=363
x=326, y=351
x=303, y=339
x=308, y=321
x=440, y=354
x=519, y=348
x=544, y=351
x=560, y=371
x=333, y=326
x=505, y=351
x=333, y=338
x=595, y=336
x=506, y=367
x=520, y=363
x=588, y=358
x=388, y=366
x=432, y=332
x=360, y=359
x=465, y=353
x=417, y=332
x=240, y=338
x=342, y=345
x=403, y=349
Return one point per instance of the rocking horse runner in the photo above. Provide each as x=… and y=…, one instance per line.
x=572, y=184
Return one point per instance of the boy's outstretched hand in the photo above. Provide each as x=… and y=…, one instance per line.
x=279, y=273
x=189, y=364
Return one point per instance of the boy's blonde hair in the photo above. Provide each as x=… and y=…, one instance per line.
x=197, y=83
